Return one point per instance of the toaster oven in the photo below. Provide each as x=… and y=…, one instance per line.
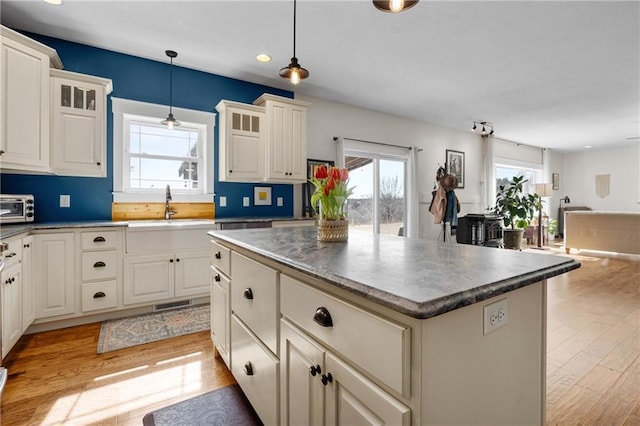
x=16, y=208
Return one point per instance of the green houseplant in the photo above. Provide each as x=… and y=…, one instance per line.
x=517, y=209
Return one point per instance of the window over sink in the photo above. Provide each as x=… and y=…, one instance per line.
x=148, y=156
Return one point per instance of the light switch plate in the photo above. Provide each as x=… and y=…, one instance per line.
x=65, y=200
x=280, y=201
x=223, y=202
x=245, y=201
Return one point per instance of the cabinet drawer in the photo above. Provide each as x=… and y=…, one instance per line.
x=99, y=265
x=371, y=342
x=256, y=371
x=221, y=258
x=254, y=298
x=13, y=253
x=98, y=240
x=99, y=295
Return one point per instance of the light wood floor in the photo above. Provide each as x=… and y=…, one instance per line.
x=593, y=368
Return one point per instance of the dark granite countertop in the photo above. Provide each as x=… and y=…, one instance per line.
x=415, y=277
x=7, y=231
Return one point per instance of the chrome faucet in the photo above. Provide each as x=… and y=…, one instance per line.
x=167, y=208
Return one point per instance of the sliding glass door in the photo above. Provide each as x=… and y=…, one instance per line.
x=378, y=203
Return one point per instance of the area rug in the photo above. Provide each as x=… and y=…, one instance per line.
x=224, y=406
x=140, y=329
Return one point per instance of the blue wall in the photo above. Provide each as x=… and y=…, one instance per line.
x=147, y=81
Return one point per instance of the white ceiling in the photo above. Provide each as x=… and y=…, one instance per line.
x=558, y=74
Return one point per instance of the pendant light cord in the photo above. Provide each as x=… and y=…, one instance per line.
x=294, y=28
x=171, y=87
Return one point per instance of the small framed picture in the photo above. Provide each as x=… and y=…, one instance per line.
x=455, y=165
x=555, y=179
x=261, y=195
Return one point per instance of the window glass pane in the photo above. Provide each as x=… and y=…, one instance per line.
x=360, y=204
x=91, y=100
x=65, y=95
x=78, y=98
x=151, y=173
x=162, y=141
x=505, y=174
x=391, y=196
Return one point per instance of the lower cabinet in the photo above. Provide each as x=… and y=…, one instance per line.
x=11, y=307
x=150, y=278
x=221, y=314
x=28, y=289
x=54, y=274
x=256, y=370
x=319, y=388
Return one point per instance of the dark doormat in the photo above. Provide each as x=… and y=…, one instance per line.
x=224, y=406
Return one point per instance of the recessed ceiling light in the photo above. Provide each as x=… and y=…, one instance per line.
x=587, y=146
x=263, y=57
x=54, y=2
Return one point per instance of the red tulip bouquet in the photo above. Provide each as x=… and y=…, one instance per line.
x=331, y=192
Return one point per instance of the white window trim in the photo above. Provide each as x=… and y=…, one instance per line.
x=120, y=107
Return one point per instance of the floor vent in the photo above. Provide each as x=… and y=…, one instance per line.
x=172, y=305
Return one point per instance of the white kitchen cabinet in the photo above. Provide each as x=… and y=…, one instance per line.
x=28, y=293
x=24, y=98
x=11, y=307
x=156, y=277
x=286, y=141
x=54, y=274
x=241, y=154
x=78, y=124
x=221, y=315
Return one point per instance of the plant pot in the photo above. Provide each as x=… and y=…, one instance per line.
x=333, y=230
x=512, y=238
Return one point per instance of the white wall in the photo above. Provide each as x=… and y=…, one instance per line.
x=622, y=164
x=327, y=119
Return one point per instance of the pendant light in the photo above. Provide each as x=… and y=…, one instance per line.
x=170, y=122
x=294, y=72
x=394, y=6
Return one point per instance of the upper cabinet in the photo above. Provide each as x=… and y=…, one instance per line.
x=241, y=142
x=78, y=129
x=264, y=142
x=51, y=121
x=24, y=97
x=286, y=148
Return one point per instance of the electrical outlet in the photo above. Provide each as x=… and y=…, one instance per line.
x=495, y=315
x=223, y=201
x=65, y=200
x=245, y=201
x=280, y=201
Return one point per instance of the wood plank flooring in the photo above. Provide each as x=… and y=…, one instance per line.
x=593, y=368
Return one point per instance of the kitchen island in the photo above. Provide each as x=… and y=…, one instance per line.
x=380, y=328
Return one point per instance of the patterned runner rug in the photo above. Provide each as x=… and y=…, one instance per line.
x=225, y=406
x=140, y=329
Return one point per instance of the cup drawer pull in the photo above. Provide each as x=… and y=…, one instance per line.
x=99, y=294
x=99, y=240
x=99, y=264
x=323, y=317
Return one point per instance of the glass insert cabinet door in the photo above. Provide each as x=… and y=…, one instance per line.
x=77, y=97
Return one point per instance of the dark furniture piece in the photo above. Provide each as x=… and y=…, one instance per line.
x=480, y=230
x=561, y=211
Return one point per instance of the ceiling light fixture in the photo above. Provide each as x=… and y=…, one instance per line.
x=54, y=2
x=394, y=6
x=294, y=72
x=487, y=128
x=170, y=122
x=263, y=57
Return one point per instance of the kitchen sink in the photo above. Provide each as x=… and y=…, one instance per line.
x=152, y=236
x=172, y=223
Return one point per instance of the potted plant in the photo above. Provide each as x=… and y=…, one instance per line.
x=329, y=200
x=517, y=209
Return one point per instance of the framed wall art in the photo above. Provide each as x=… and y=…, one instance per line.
x=261, y=195
x=455, y=165
x=555, y=180
x=307, y=188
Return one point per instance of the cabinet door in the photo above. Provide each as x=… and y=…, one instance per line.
x=11, y=307
x=78, y=129
x=220, y=314
x=242, y=146
x=24, y=112
x=28, y=295
x=192, y=273
x=300, y=378
x=353, y=399
x=287, y=142
x=54, y=274
x=148, y=278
